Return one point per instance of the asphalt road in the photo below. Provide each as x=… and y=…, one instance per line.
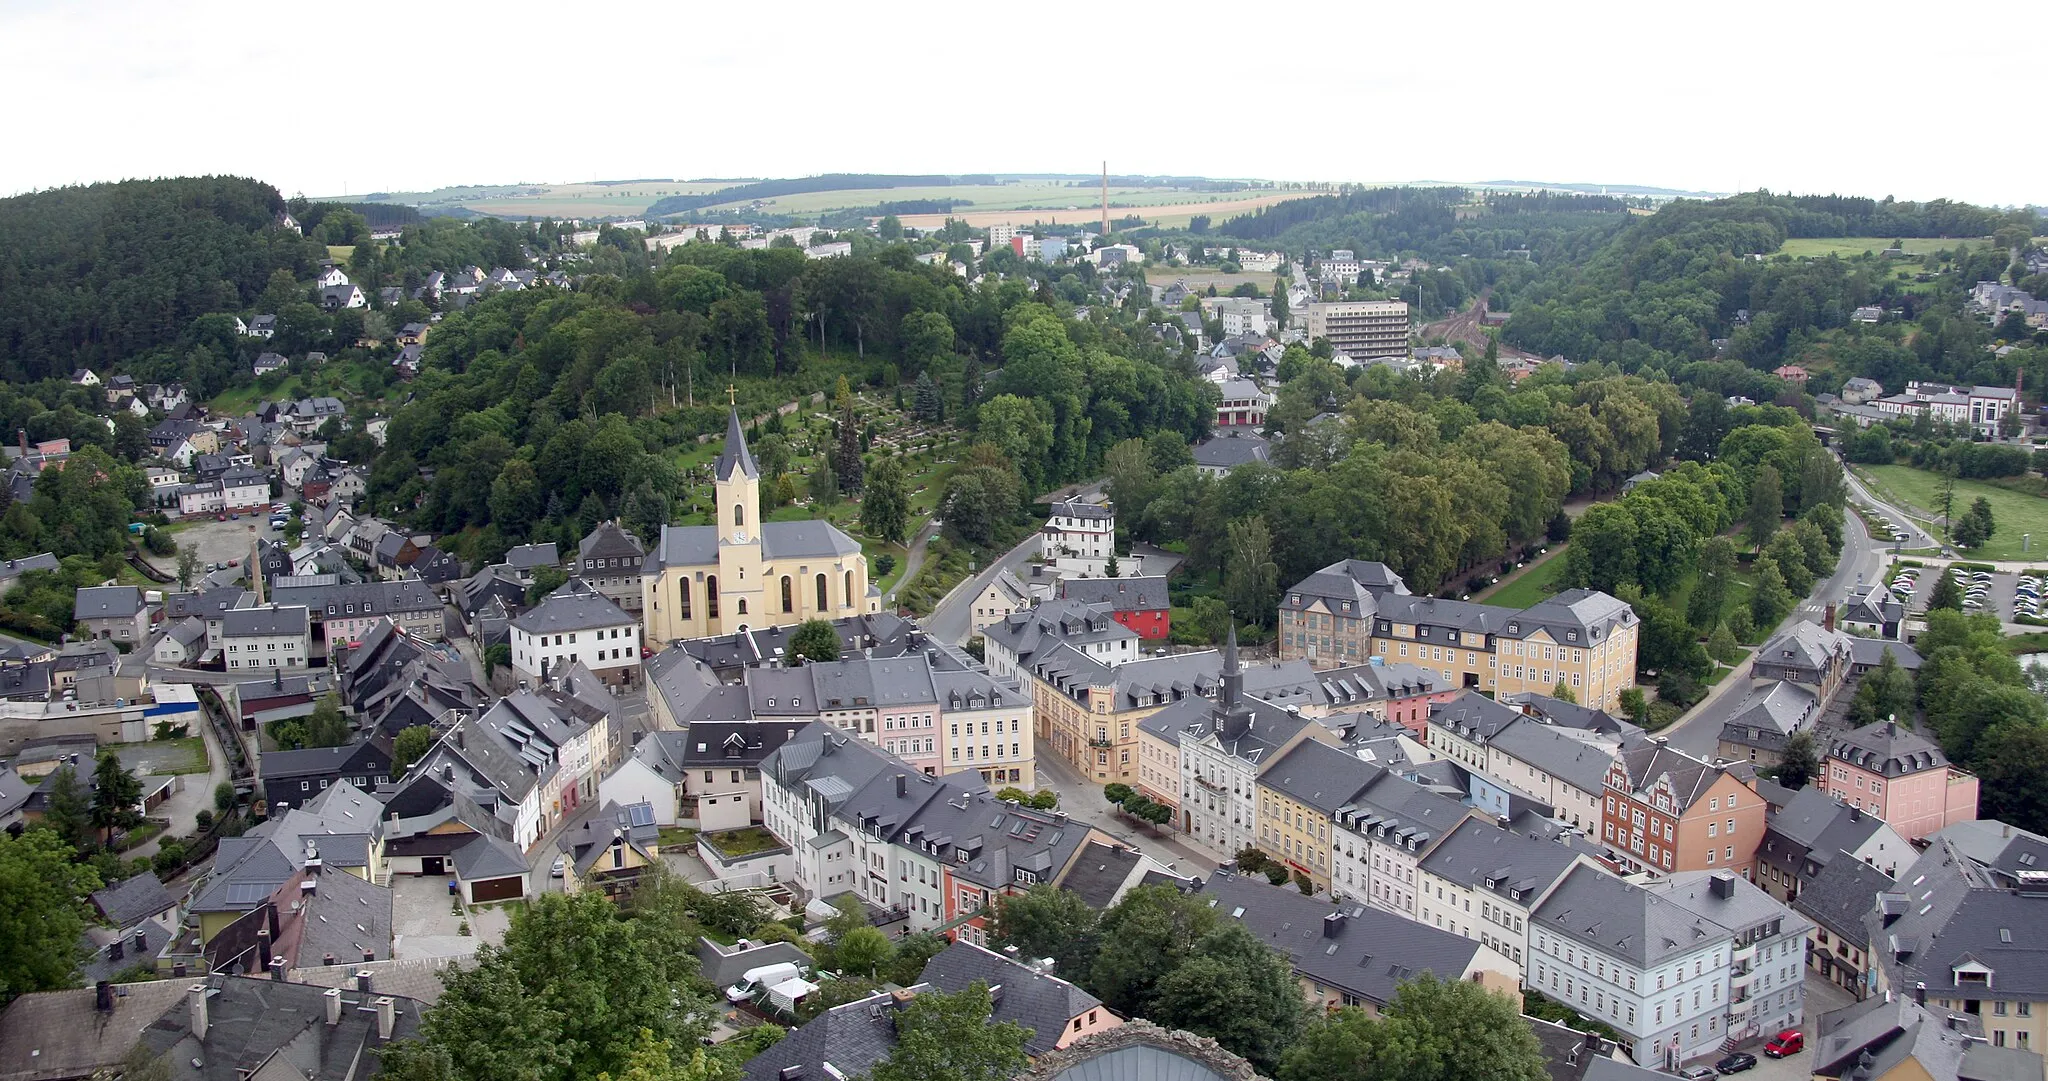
x=950, y=621
x=1082, y=801
x=1863, y=561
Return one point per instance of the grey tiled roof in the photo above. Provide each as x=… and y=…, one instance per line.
x=263, y=622
x=1841, y=895
x=1479, y=855
x=1373, y=950
x=1318, y=775
x=1596, y=909
x=1473, y=716
x=529, y=556
x=132, y=900
x=107, y=602
x=1888, y=749
x=576, y=606
x=1041, y=1002
x=331, y=599
x=1576, y=761
x=1142, y=594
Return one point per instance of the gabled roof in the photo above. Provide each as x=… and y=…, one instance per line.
x=133, y=900
x=575, y=606
x=1888, y=749
x=107, y=602
x=1319, y=776
x=1479, y=855
x=1626, y=921
x=1141, y=594
x=1841, y=895
x=1577, y=761
x=1363, y=951
x=1039, y=1001
x=1473, y=716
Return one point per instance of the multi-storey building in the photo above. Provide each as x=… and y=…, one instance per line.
x=577, y=623
x=1665, y=811
x=610, y=559
x=344, y=613
x=1900, y=776
x=1353, y=611
x=1380, y=837
x=267, y=637
x=1299, y=796
x=936, y=849
x=1080, y=529
x=1484, y=882
x=1677, y=968
x=1093, y=630
x=1361, y=328
x=1140, y=603
x=1242, y=404
x=1813, y=830
x=744, y=572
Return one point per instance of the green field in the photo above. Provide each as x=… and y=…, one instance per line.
x=551, y=200
x=1532, y=585
x=2014, y=512
x=1816, y=247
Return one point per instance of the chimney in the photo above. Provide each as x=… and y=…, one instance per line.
x=1920, y=993
x=387, y=1017
x=177, y=970
x=369, y=956
x=793, y=1072
x=363, y=981
x=328, y=960
x=263, y=946
x=1333, y=923
x=277, y=967
x=902, y=786
x=103, y=996
x=196, y=995
x=461, y=739
x=1828, y=619
x=332, y=999
x=1722, y=884
x=141, y=941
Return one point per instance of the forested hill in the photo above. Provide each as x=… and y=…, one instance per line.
x=102, y=273
x=1661, y=290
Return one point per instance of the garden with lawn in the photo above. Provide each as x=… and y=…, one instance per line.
x=2015, y=513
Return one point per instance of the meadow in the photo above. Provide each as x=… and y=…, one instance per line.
x=1916, y=491
x=1846, y=246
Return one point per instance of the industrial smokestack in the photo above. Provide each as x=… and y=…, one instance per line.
x=1105, y=198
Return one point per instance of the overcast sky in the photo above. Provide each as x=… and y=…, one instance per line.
x=1870, y=99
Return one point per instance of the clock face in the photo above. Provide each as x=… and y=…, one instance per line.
x=739, y=536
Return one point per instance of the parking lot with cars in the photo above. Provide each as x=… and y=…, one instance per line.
x=2000, y=593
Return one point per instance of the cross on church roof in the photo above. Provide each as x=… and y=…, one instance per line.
x=732, y=394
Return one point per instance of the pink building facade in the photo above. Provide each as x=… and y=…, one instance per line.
x=1901, y=777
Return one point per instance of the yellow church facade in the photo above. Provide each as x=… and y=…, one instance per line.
x=701, y=581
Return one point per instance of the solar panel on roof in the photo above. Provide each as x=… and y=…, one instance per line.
x=640, y=814
x=247, y=893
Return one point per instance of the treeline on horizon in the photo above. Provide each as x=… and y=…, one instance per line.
x=769, y=189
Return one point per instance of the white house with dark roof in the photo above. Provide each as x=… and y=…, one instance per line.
x=112, y=612
x=577, y=623
x=1229, y=448
x=1080, y=529
x=266, y=637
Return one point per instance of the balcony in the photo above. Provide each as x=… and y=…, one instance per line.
x=1101, y=743
x=1213, y=786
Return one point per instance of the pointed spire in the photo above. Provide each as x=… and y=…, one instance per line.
x=1231, y=700
x=735, y=457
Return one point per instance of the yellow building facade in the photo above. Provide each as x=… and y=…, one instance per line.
x=743, y=572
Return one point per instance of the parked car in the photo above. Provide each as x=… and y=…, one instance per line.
x=1697, y=1073
x=1789, y=1042
x=1735, y=1063
x=560, y=868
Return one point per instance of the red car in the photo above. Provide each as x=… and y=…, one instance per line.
x=1788, y=1042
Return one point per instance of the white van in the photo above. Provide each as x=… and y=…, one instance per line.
x=754, y=980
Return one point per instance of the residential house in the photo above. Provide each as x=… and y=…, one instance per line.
x=1665, y=811
x=1902, y=1038
x=1874, y=611
x=1484, y=882
x=1901, y=776
x=1004, y=596
x=346, y=613
x=1813, y=830
x=1139, y=603
x=115, y=613
x=1381, y=835
x=1242, y=403
x=1765, y=721
x=1080, y=529
x=527, y=558
x=1350, y=954
x=609, y=560
x=1226, y=449
x=267, y=637
x=1562, y=767
x=1664, y=966
x=294, y=778
x=545, y=637
x=1838, y=898
x=608, y=847
x=338, y=297
x=1299, y=796
x=270, y=362
x=1807, y=654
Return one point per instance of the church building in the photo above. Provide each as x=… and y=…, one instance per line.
x=703, y=580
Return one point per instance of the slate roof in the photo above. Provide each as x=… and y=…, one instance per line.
x=1360, y=950
x=1690, y=777
x=697, y=545
x=1841, y=895
x=1597, y=909
x=1473, y=716
x=1888, y=749
x=735, y=458
x=1081, y=508
x=611, y=540
x=1100, y=871
x=133, y=900
x=1804, y=644
x=1319, y=776
x=1403, y=810
x=316, y=761
x=1479, y=855
x=263, y=622
x=529, y=556
x=1814, y=826
x=252, y=1020
x=107, y=602
x=15, y=568
x=575, y=606
x=1870, y=651
x=851, y=1038
x=1577, y=762
x=329, y=599
x=1767, y=718
x=1041, y=1002
x=1950, y=913
x=1231, y=449
x=488, y=857
x=1142, y=594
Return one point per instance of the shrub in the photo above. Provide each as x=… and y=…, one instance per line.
x=1277, y=874
x=224, y=796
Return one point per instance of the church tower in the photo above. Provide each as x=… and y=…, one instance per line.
x=733, y=596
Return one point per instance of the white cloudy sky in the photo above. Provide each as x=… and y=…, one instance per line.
x=1869, y=98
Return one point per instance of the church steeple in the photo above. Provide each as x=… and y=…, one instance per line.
x=735, y=457
x=1235, y=717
